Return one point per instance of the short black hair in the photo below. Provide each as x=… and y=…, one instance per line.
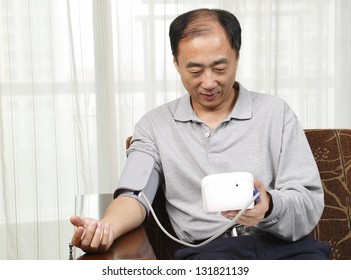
x=191, y=24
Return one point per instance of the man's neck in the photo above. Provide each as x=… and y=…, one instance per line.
x=213, y=118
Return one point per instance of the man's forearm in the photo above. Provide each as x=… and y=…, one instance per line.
x=124, y=214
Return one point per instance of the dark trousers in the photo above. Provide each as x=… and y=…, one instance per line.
x=258, y=246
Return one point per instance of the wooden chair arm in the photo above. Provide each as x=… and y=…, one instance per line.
x=133, y=245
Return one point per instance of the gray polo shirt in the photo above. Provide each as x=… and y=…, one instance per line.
x=261, y=135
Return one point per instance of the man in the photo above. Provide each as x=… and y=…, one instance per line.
x=218, y=127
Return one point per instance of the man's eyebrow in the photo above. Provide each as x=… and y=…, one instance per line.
x=191, y=64
x=220, y=61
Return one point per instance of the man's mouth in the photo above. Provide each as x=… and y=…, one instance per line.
x=209, y=97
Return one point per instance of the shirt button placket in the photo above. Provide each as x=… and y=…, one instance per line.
x=208, y=143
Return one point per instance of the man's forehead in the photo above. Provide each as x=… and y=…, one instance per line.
x=201, y=27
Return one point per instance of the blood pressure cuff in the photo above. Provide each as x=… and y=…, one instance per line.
x=139, y=175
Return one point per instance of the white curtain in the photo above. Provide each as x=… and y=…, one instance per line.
x=76, y=75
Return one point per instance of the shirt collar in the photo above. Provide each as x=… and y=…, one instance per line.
x=184, y=111
x=242, y=109
x=243, y=106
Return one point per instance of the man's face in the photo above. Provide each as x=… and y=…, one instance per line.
x=207, y=65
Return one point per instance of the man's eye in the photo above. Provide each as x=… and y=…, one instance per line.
x=195, y=73
x=220, y=70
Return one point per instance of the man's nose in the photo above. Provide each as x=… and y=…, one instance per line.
x=209, y=80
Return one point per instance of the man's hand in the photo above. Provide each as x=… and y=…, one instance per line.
x=253, y=216
x=91, y=235
x=121, y=216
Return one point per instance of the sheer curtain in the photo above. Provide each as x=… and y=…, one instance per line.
x=76, y=75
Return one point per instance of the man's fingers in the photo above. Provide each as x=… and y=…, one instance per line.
x=106, y=237
x=77, y=221
x=230, y=214
x=89, y=234
x=96, y=240
x=77, y=236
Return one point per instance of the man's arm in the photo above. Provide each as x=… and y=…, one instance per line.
x=123, y=215
x=126, y=212
x=297, y=195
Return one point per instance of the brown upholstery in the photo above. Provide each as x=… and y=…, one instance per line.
x=332, y=151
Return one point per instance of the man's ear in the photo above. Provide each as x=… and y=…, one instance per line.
x=175, y=62
x=237, y=60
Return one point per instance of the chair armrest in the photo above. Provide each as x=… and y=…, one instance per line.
x=133, y=245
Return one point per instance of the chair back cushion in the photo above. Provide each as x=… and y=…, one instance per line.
x=332, y=151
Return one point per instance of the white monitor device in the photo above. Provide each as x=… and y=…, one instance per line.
x=227, y=191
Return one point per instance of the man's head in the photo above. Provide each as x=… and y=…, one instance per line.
x=195, y=23
x=205, y=45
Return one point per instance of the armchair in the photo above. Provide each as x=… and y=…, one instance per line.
x=332, y=151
